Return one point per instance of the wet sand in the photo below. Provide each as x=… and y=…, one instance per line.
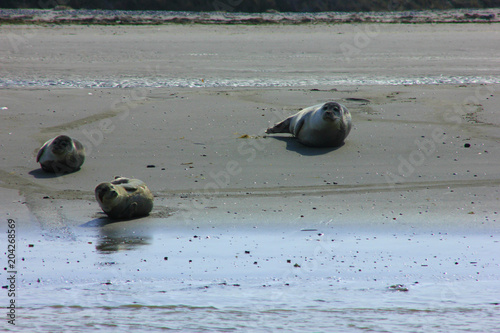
x=420, y=165
x=417, y=155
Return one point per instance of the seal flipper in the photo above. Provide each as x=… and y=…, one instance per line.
x=281, y=127
x=123, y=214
x=130, y=211
x=130, y=187
x=120, y=180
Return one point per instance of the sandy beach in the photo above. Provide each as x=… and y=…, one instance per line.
x=184, y=108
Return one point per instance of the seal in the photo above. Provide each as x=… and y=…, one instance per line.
x=322, y=125
x=61, y=154
x=124, y=198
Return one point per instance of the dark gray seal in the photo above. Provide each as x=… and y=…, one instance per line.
x=61, y=154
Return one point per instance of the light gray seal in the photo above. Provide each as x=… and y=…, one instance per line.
x=61, y=154
x=124, y=198
x=322, y=125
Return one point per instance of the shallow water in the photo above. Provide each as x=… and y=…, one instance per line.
x=261, y=279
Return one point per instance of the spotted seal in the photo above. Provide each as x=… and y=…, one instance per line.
x=124, y=198
x=61, y=154
x=322, y=125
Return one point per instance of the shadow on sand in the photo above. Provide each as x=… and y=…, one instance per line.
x=102, y=220
x=293, y=145
x=40, y=174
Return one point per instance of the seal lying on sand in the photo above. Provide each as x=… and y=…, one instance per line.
x=61, y=155
x=124, y=198
x=322, y=125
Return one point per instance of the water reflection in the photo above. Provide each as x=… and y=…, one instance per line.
x=108, y=244
x=114, y=236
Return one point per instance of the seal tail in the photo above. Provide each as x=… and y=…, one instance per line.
x=281, y=127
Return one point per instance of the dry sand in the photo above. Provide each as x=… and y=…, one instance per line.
x=420, y=157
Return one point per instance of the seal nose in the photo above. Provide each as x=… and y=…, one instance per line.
x=329, y=115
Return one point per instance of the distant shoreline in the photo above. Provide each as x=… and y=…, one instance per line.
x=122, y=17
